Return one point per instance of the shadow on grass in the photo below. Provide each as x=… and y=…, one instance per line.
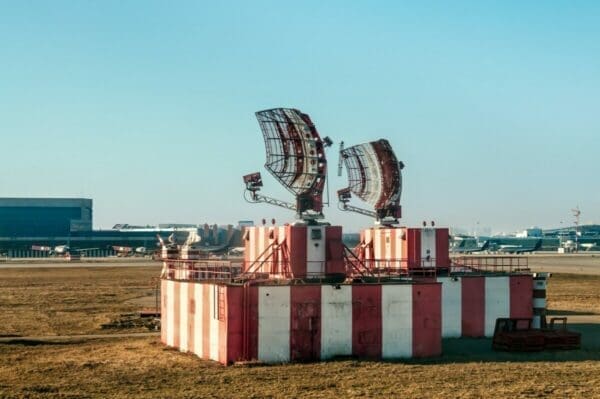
x=470, y=350
x=467, y=350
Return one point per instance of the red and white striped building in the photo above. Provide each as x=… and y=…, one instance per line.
x=404, y=248
x=297, y=298
x=282, y=323
x=472, y=303
x=297, y=251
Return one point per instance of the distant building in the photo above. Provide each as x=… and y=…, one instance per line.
x=532, y=232
x=51, y=222
x=44, y=217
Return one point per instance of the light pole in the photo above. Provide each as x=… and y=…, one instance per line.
x=576, y=213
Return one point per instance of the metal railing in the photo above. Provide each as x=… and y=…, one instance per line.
x=354, y=268
x=494, y=264
x=282, y=270
x=381, y=269
x=200, y=270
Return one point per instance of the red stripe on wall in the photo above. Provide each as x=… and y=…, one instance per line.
x=366, y=321
x=233, y=330
x=297, y=249
x=441, y=248
x=305, y=322
x=473, y=306
x=163, y=311
x=206, y=291
x=253, y=323
x=191, y=312
x=427, y=320
x=335, y=250
x=521, y=296
x=414, y=248
x=176, y=314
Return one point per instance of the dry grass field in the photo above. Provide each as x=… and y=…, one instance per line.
x=48, y=302
x=65, y=301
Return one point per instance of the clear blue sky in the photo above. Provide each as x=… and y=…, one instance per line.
x=148, y=107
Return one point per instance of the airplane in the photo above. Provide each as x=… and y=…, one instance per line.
x=518, y=249
x=130, y=251
x=236, y=251
x=459, y=249
x=588, y=246
x=192, y=241
x=61, y=250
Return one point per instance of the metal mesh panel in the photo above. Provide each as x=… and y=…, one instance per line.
x=373, y=173
x=295, y=153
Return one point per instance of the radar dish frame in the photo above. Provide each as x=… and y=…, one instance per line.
x=374, y=176
x=295, y=156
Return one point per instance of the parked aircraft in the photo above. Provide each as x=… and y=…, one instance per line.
x=518, y=249
x=123, y=251
x=461, y=249
x=61, y=250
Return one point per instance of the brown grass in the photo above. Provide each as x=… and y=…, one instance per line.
x=78, y=301
x=55, y=301
x=574, y=293
x=143, y=368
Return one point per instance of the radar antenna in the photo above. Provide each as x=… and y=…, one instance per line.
x=296, y=158
x=374, y=176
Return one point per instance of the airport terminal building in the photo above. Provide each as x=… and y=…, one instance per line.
x=28, y=222
x=44, y=217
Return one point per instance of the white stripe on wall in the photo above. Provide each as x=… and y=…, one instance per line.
x=378, y=245
x=451, y=306
x=396, y=320
x=198, y=338
x=497, y=301
x=387, y=242
x=336, y=321
x=214, y=323
x=170, y=313
x=428, y=243
x=251, y=245
x=261, y=247
x=183, y=316
x=274, y=324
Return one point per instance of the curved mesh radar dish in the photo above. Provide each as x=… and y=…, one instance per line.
x=295, y=155
x=374, y=176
